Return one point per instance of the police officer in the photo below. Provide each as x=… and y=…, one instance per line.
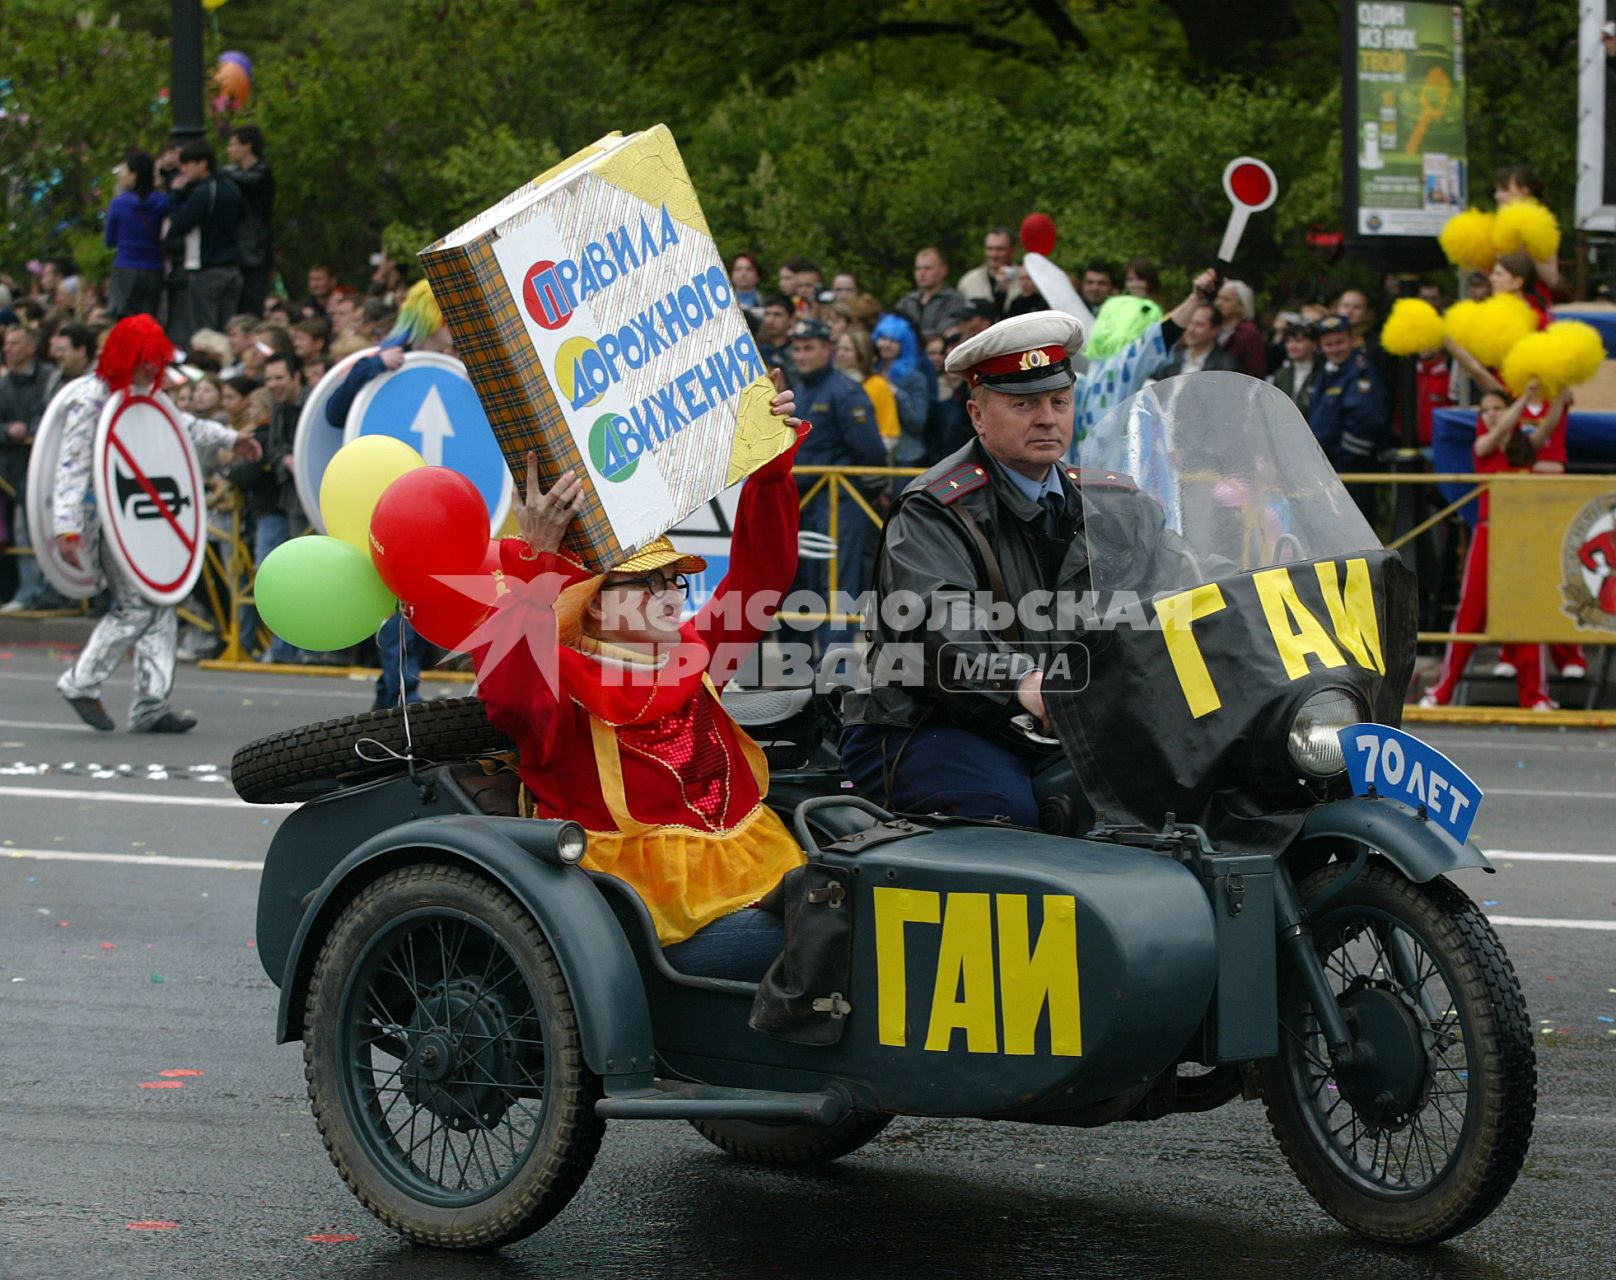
x=844, y=435
x=955, y=649
x=1351, y=411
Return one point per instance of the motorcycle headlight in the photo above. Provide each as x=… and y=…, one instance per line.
x=571, y=842
x=1314, y=744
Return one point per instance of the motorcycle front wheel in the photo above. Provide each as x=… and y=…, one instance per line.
x=1423, y=1134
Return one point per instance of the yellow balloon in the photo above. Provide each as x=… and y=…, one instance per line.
x=354, y=481
x=214, y=4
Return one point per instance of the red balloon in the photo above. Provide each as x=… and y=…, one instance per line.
x=430, y=521
x=448, y=613
x=1038, y=233
x=234, y=82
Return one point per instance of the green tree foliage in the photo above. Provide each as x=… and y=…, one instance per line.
x=851, y=131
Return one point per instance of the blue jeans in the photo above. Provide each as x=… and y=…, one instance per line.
x=741, y=945
x=387, y=646
x=943, y=770
x=269, y=531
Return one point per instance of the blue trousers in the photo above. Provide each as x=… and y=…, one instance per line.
x=269, y=531
x=942, y=770
x=388, y=688
x=741, y=945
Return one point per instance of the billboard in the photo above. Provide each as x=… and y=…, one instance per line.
x=1403, y=110
x=1596, y=107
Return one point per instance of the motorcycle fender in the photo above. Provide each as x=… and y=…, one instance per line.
x=607, y=989
x=1419, y=849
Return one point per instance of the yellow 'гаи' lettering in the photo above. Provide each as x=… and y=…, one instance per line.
x=968, y=994
x=1281, y=607
x=1029, y=977
x=1178, y=615
x=1352, y=612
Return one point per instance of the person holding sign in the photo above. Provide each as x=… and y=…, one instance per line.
x=613, y=704
x=133, y=358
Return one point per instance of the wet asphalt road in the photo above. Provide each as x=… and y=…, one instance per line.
x=113, y=972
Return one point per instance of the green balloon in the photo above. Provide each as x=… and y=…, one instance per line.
x=321, y=593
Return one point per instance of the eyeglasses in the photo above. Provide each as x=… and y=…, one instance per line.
x=655, y=583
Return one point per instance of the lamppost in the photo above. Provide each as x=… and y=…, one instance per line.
x=185, y=72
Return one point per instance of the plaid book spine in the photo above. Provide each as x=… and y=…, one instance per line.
x=491, y=341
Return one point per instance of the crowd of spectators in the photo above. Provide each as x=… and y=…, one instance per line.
x=193, y=243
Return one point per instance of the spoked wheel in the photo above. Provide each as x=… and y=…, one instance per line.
x=1423, y=1135
x=444, y=1063
x=787, y=1144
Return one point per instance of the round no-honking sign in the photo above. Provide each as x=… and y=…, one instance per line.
x=148, y=489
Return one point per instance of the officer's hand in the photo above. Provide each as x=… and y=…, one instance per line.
x=543, y=517
x=1030, y=694
x=67, y=546
x=248, y=449
x=392, y=358
x=1207, y=282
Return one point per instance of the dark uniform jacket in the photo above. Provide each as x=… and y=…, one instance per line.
x=1352, y=413
x=844, y=434
x=926, y=549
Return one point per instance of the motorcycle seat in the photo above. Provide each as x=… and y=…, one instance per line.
x=756, y=708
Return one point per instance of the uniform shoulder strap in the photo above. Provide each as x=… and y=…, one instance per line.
x=953, y=485
x=1094, y=478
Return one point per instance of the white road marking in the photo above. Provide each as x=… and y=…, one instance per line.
x=134, y=797
x=1505, y=855
x=45, y=724
x=311, y=686
x=147, y=860
x=1533, y=922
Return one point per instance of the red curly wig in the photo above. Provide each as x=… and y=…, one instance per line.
x=133, y=341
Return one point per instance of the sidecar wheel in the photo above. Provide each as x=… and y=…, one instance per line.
x=444, y=1063
x=1425, y=1139
x=787, y=1144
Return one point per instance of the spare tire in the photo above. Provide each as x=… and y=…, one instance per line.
x=299, y=764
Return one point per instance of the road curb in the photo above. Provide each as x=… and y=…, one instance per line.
x=1516, y=716
x=30, y=627
x=341, y=673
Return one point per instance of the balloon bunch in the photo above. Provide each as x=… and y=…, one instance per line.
x=233, y=74
x=1474, y=239
x=402, y=535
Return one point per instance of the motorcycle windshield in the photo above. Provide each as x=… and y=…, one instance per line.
x=1232, y=577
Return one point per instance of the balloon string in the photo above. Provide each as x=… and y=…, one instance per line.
x=387, y=753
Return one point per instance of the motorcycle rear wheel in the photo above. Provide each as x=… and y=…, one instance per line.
x=1424, y=1141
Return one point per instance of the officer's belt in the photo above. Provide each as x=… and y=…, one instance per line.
x=990, y=565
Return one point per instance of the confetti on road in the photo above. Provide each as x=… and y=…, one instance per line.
x=109, y=946
x=162, y=1084
x=1492, y=902
x=179, y=1071
x=157, y=977
x=152, y=1224
x=330, y=1237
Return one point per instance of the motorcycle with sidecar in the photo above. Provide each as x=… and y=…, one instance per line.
x=1240, y=890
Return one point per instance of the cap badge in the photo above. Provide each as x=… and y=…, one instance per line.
x=1034, y=359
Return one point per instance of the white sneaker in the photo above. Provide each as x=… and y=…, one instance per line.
x=1504, y=670
x=1428, y=699
x=1546, y=704
x=12, y=606
x=1573, y=671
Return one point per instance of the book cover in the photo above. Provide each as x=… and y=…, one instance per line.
x=597, y=323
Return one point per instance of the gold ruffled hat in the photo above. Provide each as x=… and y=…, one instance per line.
x=570, y=605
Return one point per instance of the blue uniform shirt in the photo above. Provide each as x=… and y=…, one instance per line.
x=1351, y=414
x=844, y=434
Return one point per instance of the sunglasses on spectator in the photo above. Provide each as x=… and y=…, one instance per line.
x=655, y=583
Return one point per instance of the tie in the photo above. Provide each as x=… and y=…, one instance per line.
x=1053, y=507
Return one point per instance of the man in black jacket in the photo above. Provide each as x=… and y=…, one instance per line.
x=267, y=482
x=981, y=567
x=254, y=240
x=208, y=210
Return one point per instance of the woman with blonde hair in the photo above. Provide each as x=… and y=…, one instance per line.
x=855, y=356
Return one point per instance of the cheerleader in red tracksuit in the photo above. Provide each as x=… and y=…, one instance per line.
x=1508, y=438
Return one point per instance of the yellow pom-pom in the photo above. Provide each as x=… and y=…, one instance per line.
x=1414, y=327
x=1500, y=322
x=1527, y=225
x=1467, y=239
x=1562, y=356
x=1459, y=319
x=1583, y=350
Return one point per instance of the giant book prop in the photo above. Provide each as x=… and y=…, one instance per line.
x=597, y=323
